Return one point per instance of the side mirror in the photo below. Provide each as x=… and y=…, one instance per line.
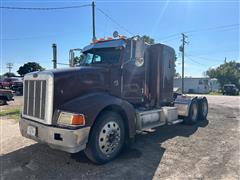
x=72, y=58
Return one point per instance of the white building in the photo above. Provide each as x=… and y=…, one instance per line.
x=214, y=85
x=193, y=85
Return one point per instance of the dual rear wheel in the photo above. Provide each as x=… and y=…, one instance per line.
x=198, y=111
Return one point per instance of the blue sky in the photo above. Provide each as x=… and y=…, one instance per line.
x=28, y=35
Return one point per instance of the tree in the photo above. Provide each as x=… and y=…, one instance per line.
x=148, y=39
x=226, y=73
x=8, y=74
x=29, y=67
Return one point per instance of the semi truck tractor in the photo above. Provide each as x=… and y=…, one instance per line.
x=120, y=86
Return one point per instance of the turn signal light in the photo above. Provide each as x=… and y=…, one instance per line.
x=78, y=119
x=71, y=119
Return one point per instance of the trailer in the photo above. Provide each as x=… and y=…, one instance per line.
x=119, y=87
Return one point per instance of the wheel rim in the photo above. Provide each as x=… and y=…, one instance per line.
x=204, y=108
x=109, y=138
x=194, y=112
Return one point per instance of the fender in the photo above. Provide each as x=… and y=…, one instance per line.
x=91, y=105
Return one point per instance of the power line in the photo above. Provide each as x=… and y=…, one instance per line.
x=43, y=8
x=195, y=61
x=114, y=21
x=222, y=27
x=29, y=37
x=213, y=28
x=166, y=38
x=213, y=52
x=203, y=58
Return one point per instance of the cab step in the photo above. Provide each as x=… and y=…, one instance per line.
x=175, y=122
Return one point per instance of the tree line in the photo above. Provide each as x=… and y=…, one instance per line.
x=226, y=73
x=24, y=69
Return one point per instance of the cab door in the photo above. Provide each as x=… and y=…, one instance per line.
x=115, y=79
x=133, y=76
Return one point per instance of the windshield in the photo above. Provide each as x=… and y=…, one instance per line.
x=101, y=56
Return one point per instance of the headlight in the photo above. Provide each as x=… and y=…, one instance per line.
x=70, y=119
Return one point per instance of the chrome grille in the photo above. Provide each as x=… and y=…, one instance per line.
x=35, y=98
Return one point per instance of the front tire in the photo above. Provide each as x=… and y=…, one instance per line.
x=106, y=139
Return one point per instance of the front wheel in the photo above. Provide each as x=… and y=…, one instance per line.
x=106, y=139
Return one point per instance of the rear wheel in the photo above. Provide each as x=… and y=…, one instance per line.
x=106, y=139
x=193, y=113
x=202, y=108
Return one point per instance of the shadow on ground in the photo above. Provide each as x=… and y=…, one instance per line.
x=138, y=162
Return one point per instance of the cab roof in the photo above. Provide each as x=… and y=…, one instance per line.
x=105, y=44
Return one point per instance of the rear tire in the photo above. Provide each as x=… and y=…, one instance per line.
x=192, y=114
x=202, y=108
x=106, y=139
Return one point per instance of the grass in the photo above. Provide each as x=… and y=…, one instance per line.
x=11, y=113
x=219, y=94
x=216, y=93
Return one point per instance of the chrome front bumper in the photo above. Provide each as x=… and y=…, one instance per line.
x=68, y=140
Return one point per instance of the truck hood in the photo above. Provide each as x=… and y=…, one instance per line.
x=71, y=83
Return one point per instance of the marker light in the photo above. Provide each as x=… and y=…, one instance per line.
x=122, y=37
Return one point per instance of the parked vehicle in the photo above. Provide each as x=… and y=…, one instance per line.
x=1, y=80
x=121, y=87
x=17, y=86
x=8, y=82
x=230, y=89
x=5, y=95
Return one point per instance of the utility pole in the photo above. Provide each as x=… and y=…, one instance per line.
x=93, y=21
x=225, y=60
x=182, y=49
x=9, y=67
x=54, y=60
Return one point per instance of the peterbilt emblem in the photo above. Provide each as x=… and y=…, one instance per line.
x=35, y=75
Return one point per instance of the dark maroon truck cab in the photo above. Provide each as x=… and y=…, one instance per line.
x=119, y=87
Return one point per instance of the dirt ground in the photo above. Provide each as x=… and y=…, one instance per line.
x=208, y=150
